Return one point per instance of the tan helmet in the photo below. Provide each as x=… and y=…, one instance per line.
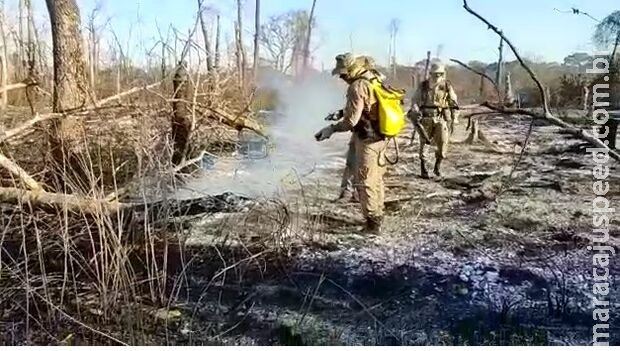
x=352, y=66
x=343, y=62
x=438, y=68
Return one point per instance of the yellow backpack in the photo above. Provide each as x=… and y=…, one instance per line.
x=391, y=114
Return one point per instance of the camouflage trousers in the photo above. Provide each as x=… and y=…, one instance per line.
x=437, y=130
x=370, y=170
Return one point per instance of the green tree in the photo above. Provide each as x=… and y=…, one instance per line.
x=608, y=33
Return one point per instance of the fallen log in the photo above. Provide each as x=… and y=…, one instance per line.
x=565, y=127
x=52, y=202
x=19, y=173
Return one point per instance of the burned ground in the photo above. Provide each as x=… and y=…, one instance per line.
x=455, y=265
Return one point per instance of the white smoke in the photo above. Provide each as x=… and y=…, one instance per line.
x=302, y=107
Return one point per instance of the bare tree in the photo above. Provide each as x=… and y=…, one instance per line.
x=500, y=63
x=4, y=55
x=242, y=58
x=256, y=39
x=278, y=37
x=93, y=45
x=205, y=35
x=70, y=83
x=216, y=64
x=308, y=37
x=394, y=28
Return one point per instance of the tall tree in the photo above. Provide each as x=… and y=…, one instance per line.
x=608, y=32
x=216, y=64
x=256, y=38
x=394, y=28
x=205, y=35
x=242, y=58
x=500, y=63
x=282, y=37
x=70, y=83
x=308, y=37
x=4, y=55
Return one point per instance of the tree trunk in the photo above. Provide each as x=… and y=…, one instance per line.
x=238, y=59
x=612, y=60
x=205, y=35
x=242, y=55
x=216, y=64
x=5, y=57
x=31, y=48
x=256, y=37
x=20, y=41
x=181, y=118
x=308, y=37
x=70, y=83
x=586, y=96
x=427, y=65
x=500, y=63
x=509, y=97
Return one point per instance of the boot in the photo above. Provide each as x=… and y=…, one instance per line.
x=437, y=169
x=373, y=225
x=345, y=196
x=424, y=172
x=354, y=197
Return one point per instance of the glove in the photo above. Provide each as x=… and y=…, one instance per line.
x=334, y=116
x=324, y=133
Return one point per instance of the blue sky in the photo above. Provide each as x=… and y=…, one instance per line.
x=533, y=25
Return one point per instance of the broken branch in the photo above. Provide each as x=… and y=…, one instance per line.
x=482, y=74
x=566, y=127
x=20, y=173
x=16, y=86
x=125, y=93
x=539, y=85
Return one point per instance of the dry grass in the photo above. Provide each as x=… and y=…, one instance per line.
x=101, y=278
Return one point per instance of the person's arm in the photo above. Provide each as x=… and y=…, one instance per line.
x=416, y=100
x=452, y=98
x=357, y=94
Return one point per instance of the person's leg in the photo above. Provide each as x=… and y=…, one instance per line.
x=442, y=140
x=370, y=181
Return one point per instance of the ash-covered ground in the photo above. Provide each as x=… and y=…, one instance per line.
x=455, y=265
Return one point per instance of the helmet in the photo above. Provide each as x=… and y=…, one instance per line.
x=343, y=62
x=438, y=68
x=352, y=66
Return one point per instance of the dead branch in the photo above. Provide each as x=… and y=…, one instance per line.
x=546, y=115
x=16, y=86
x=527, y=68
x=236, y=122
x=190, y=162
x=20, y=173
x=4, y=136
x=47, y=200
x=566, y=127
x=125, y=93
x=482, y=74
